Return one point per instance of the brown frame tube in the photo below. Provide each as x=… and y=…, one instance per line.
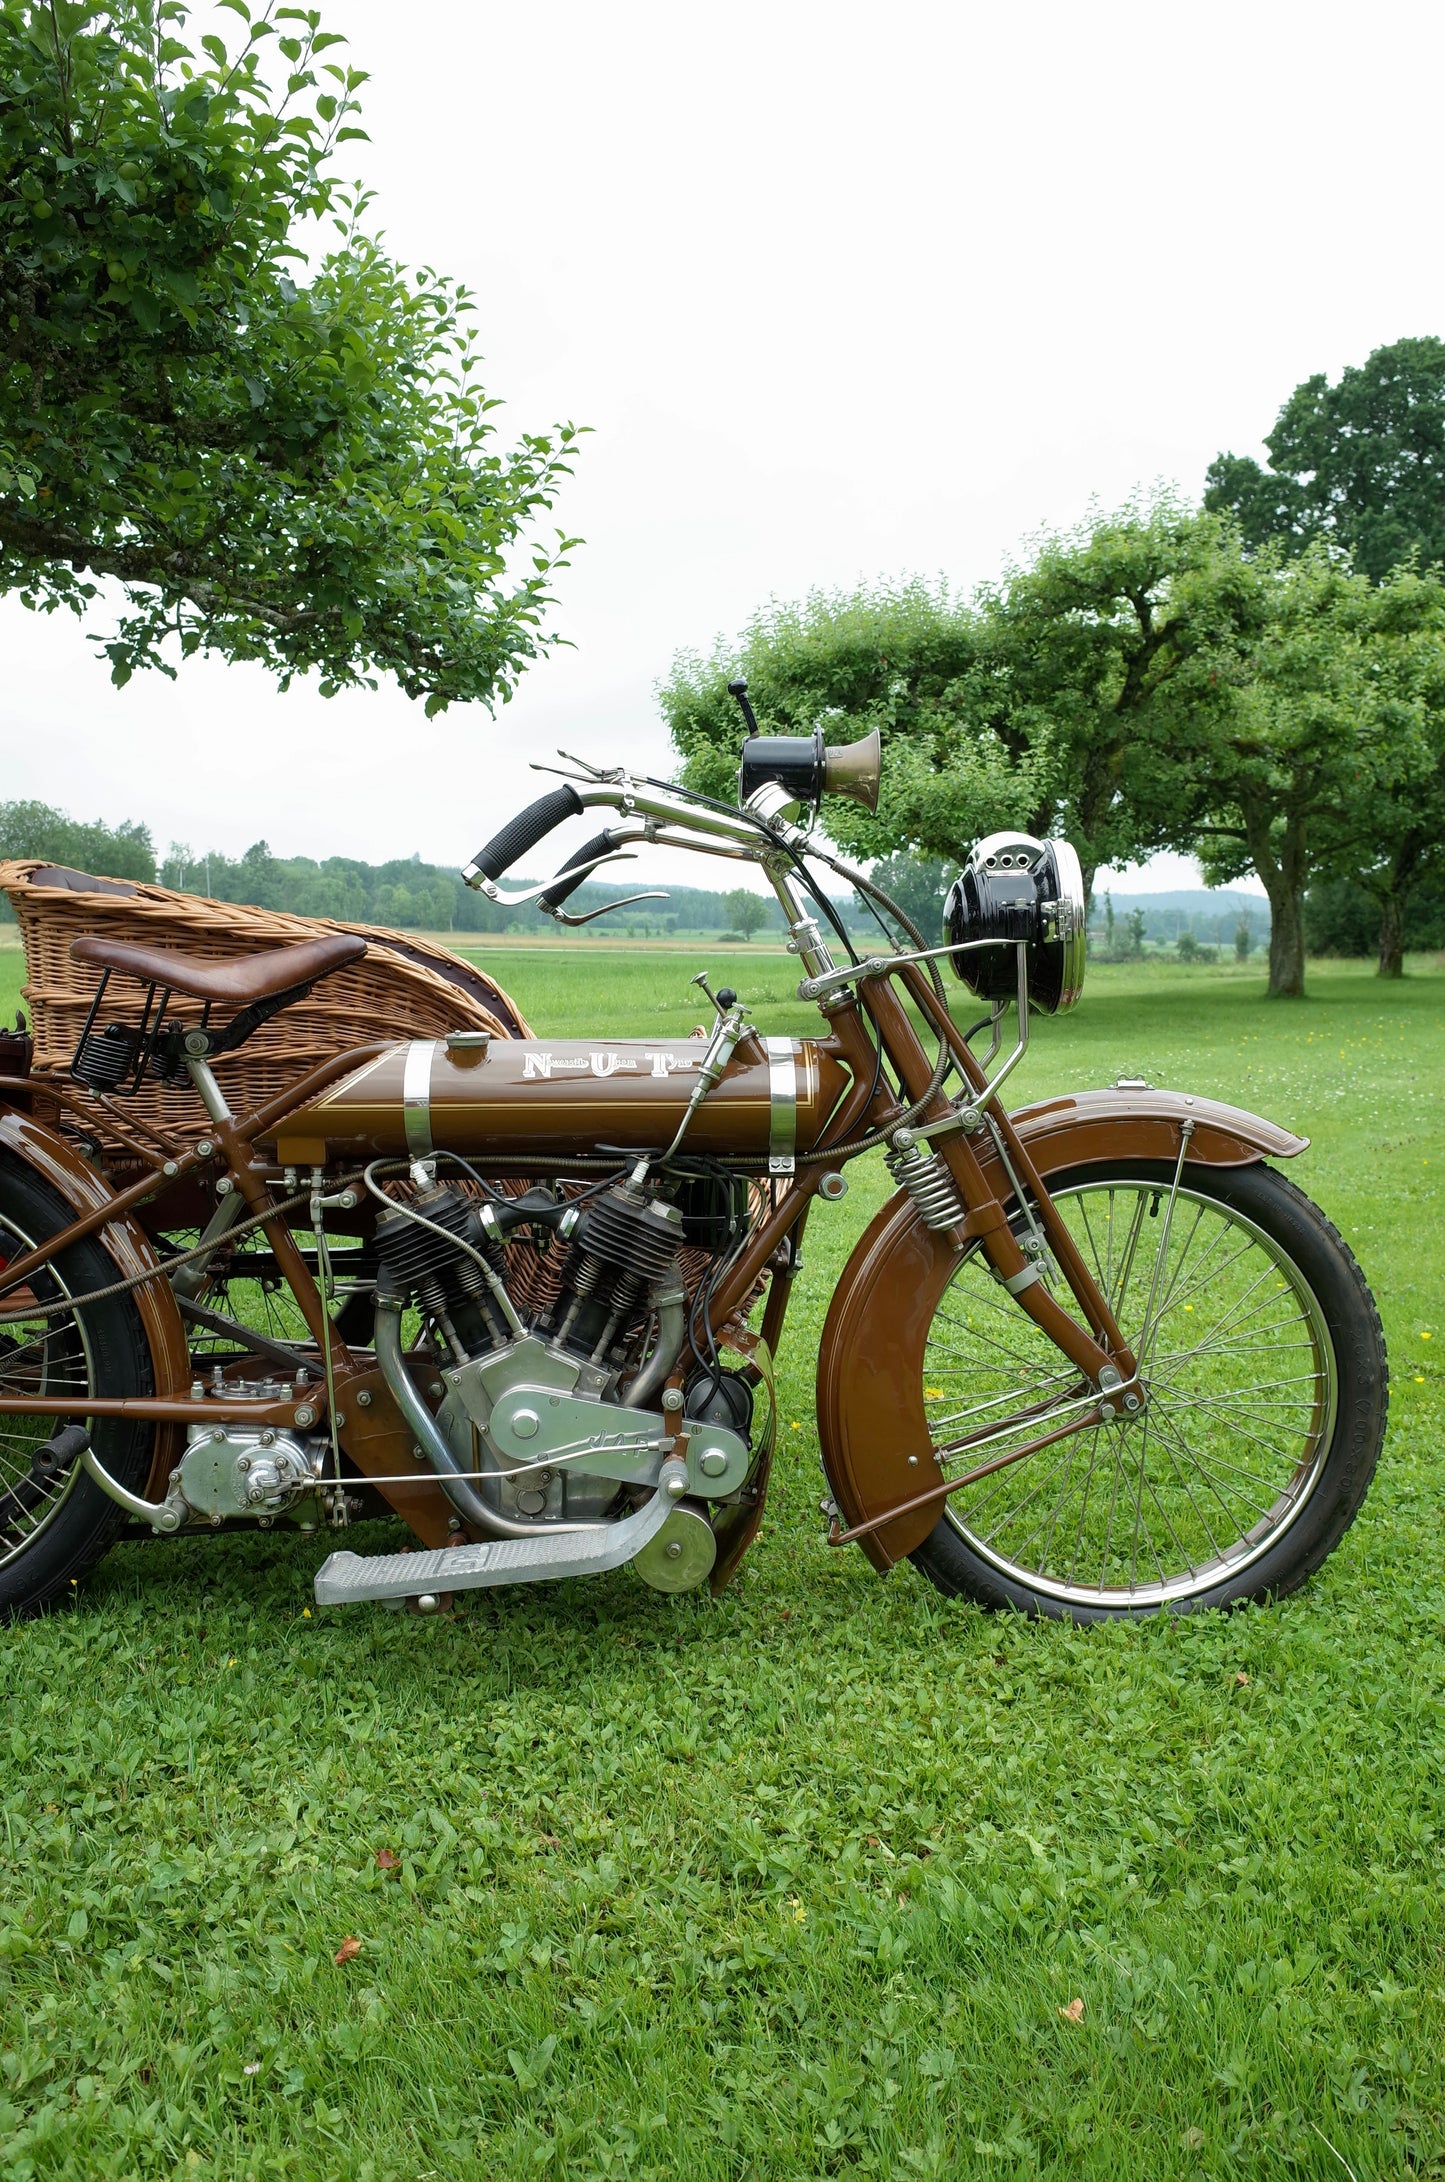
x=162, y=1410
x=241, y=1132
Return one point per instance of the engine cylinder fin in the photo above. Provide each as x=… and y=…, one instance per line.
x=637, y=1232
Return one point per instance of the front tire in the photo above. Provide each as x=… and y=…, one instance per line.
x=1267, y=1391
x=54, y=1528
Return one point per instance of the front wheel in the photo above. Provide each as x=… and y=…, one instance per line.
x=1266, y=1382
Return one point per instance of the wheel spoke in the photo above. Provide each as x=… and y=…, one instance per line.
x=1230, y=1440
x=1236, y=1315
x=990, y=1340
x=1212, y=1278
x=1175, y=1441
x=1244, y=1432
x=1097, y=1436
x=1139, y=1523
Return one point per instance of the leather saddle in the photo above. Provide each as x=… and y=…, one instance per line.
x=240, y=983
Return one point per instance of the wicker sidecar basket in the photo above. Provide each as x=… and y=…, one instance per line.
x=404, y=986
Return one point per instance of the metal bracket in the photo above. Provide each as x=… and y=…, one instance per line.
x=782, y=1105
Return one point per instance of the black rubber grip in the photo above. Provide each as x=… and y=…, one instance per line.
x=58, y=1454
x=525, y=830
x=552, y=897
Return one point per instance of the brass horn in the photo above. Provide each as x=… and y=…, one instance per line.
x=854, y=769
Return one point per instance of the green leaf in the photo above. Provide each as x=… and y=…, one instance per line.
x=285, y=453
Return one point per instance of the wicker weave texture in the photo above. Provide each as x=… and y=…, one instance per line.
x=403, y=987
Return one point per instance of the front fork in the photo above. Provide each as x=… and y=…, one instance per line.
x=1096, y=1347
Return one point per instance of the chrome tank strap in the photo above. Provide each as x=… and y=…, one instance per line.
x=783, y=1104
x=416, y=1096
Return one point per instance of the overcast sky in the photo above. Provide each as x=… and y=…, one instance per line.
x=843, y=292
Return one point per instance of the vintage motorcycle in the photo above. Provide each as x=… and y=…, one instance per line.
x=1095, y=1357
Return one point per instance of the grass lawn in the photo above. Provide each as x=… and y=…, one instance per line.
x=800, y=1882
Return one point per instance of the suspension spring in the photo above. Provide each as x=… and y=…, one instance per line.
x=927, y=1180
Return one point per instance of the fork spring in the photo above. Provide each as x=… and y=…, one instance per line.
x=929, y=1183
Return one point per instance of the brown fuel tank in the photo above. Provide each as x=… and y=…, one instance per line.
x=565, y=1096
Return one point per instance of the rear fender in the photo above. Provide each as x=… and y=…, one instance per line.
x=60, y=1165
x=875, y=1443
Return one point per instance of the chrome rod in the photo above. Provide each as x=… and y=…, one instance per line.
x=991, y=1089
x=813, y=988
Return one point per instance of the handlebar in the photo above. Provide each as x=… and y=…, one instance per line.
x=525, y=830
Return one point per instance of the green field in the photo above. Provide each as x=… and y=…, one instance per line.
x=796, y=1883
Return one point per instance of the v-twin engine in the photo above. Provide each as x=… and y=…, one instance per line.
x=561, y=1418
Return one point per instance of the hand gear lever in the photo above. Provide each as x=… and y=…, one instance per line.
x=739, y=689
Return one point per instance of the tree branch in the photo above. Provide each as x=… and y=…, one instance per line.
x=175, y=575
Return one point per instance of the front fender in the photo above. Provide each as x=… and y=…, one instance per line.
x=871, y=1421
x=60, y=1165
x=1125, y=1123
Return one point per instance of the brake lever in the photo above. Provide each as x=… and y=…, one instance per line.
x=523, y=895
x=586, y=770
x=653, y=894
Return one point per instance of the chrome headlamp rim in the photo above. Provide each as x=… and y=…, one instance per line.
x=1070, y=922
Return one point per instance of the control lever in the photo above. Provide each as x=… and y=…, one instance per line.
x=561, y=916
x=723, y=999
x=739, y=689
x=731, y=1027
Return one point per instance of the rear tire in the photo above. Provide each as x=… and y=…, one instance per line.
x=1269, y=1389
x=53, y=1529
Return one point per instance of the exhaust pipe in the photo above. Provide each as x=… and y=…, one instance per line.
x=459, y=1489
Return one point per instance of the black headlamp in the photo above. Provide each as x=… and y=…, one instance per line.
x=1031, y=892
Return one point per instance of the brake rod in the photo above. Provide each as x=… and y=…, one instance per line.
x=937, y=1493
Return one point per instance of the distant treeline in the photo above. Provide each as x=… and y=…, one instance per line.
x=112, y=852
x=404, y=893
x=407, y=894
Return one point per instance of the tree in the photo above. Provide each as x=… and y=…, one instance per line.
x=919, y=885
x=747, y=912
x=898, y=658
x=1030, y=706
x=1091, y=653
x=1342, y=919
x=1389, y=835
x=1284, y=725
x=297, y=470
x=1144, y=683
x=1360, y=464
x=1243, y=939
x=108, y=852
